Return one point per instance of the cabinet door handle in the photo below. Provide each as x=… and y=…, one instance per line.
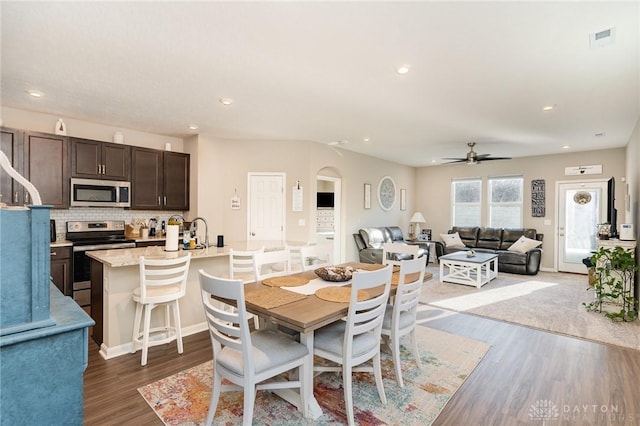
x=165, y=200
x=53, y=253
x=26, y=197
x=159, y=203
x=15, y=197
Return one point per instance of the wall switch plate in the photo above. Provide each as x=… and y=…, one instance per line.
x=547, y=222
x=301, y=222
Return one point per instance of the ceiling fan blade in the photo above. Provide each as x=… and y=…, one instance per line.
x=455, y=158
x=479, y=157
x=496, y=158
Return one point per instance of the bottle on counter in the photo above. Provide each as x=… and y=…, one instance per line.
x=163, y=228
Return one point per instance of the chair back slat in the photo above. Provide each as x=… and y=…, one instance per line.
x=225, y=328
x=367, y=315
x=241, y=264
x=408, y=292
x=157, y=273
x=268, y=264
x=315, y=256
x=390, y=252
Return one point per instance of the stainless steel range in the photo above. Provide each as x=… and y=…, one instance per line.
x=87, y=236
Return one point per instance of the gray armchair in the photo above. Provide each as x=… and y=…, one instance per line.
x=369, y=242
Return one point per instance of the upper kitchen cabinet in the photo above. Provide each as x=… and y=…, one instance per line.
x=11, y=145
x=99, y=160
x=159, y=180
x=46, y=165
x=43, y=159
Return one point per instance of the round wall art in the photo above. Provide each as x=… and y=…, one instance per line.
x=582, y=197
x=386, y=193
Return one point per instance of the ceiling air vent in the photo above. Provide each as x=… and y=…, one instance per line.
x=602, y=38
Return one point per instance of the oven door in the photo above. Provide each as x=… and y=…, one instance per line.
x=82, y=271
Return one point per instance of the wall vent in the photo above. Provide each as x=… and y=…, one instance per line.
x=602, y=38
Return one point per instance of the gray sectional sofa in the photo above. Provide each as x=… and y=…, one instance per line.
x=498, y=240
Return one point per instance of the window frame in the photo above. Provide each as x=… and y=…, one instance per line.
x=477, y=179
x=491, y=203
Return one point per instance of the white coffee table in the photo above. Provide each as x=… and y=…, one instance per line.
x=462, y=269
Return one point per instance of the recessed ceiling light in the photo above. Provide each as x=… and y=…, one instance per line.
x=35, y=93
x=566, y=146
x=548, y=107
x=600, y=134
x=402, y=69
x=193, y=127
x=366, y=140
x=335, y=143
x=434, y=161
x=226, y=101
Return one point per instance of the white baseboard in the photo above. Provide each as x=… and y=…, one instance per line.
x=125, y=348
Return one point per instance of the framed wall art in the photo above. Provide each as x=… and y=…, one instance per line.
x=367, y=195
x=537, y=198
x=403, y=199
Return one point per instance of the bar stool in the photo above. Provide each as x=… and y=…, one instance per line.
x=162, y=282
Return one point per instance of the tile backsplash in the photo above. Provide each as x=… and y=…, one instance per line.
x=62, y=216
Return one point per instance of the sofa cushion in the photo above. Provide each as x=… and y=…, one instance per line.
x=373, y=237
x=511, y=257
x=468, y=234
x=524, y=244
x=489, y=238
x=452, y=240
x=395, y=233
x=510, y=236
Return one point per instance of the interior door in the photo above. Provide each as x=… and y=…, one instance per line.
x=581, y=207
x=266, y=207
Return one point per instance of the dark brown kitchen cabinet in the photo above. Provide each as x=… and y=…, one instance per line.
x=11, y=145
x=43, y=159
x=159, y=179
x=99, y=160
x=62, y=269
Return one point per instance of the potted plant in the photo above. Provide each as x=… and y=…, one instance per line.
x=615, y=269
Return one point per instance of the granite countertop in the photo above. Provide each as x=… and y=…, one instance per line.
x=61, y=243
x=128, y=257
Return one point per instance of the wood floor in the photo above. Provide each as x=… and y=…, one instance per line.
x=583, y=383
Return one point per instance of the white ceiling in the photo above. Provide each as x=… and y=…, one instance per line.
x=325, y=72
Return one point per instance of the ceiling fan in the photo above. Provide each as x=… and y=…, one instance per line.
x=475, y=158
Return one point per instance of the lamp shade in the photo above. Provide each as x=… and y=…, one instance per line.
x=417, y=218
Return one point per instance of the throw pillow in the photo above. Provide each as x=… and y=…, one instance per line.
x=375, y=237
x=452, y=240
x=524, y=244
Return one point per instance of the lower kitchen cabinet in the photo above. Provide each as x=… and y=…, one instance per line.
x=62, y=269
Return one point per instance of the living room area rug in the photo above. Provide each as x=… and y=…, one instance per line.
x=447, y=359
x=547, y=301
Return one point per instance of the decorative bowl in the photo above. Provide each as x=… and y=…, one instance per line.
x=335, y=273
x=471, y=253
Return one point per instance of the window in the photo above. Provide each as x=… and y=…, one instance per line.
x=505, y=202
x=466, y=202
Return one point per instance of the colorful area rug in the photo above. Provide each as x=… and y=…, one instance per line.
x=183, y=399
x=548, y=301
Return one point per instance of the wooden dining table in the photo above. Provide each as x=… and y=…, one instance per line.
x=304, y=315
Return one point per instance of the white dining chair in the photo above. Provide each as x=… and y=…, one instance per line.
x=316, y=256
x=356, y=340
x=263, y=263
x=162, y=282
x=246, y=358
x=393, y=253
x=400, y=317
x=241, y=267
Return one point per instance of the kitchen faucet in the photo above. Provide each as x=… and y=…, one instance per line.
x=206, y=229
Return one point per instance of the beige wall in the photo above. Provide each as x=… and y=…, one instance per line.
x=433, y=188
x=632, y=214
x=38, y=122
x=224, y=166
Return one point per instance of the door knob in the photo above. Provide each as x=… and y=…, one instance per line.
x=253, y=234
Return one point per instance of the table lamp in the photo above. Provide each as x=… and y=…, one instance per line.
x=415, y=222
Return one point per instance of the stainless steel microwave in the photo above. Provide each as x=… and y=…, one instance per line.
x=100, y=193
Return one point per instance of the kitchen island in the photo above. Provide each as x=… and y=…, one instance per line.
x=115, y=274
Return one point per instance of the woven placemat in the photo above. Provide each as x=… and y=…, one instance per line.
x=272, y=297
x=339, y=294
x=288, y=281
